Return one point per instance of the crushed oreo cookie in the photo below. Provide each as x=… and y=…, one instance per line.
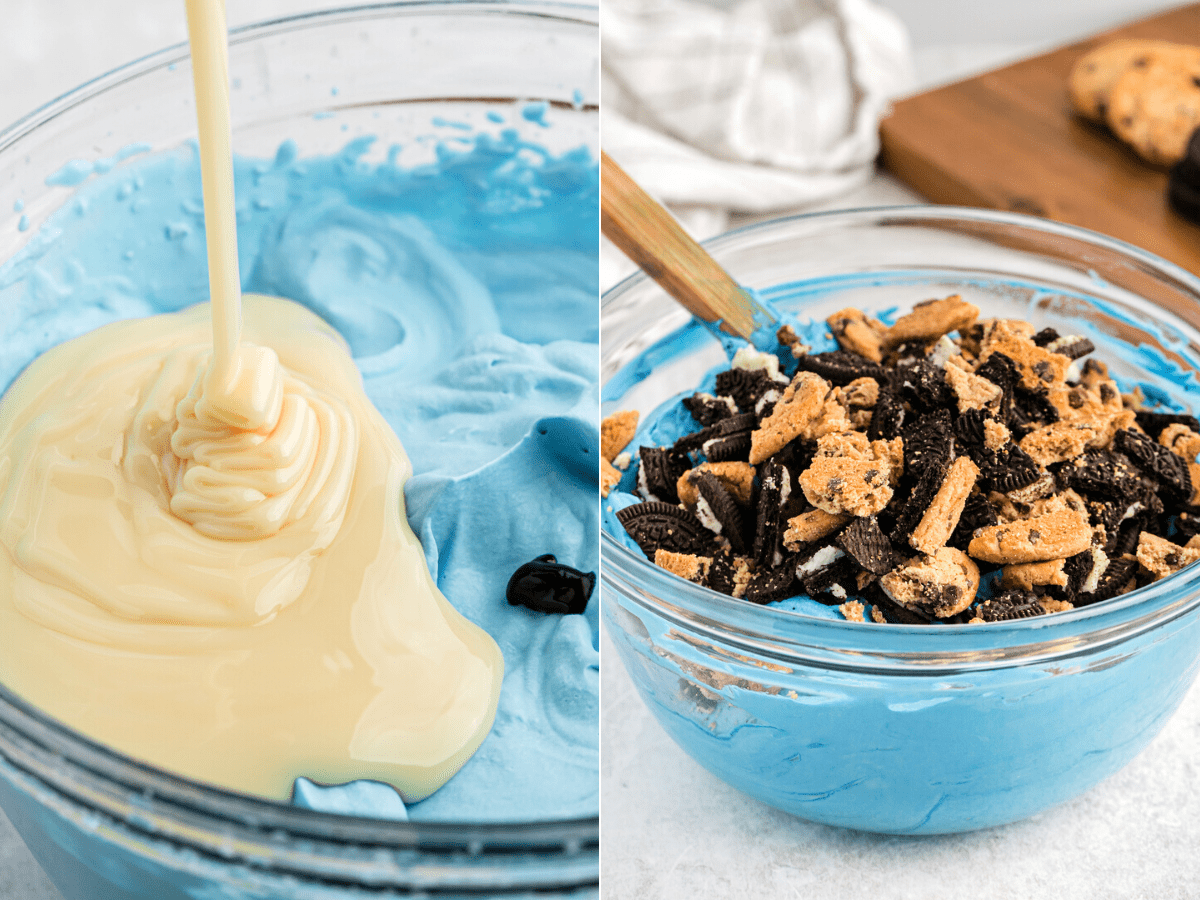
x=896, y=475
x=547, y=586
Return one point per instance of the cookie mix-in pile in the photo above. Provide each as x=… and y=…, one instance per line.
x=896, y=475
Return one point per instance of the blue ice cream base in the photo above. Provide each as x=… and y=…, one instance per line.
x=846, y=742
x=466, y=290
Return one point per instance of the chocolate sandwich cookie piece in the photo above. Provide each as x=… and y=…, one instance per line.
x=731, y=438
x=1078, y=569
x=840, y=367
x=735, y=447
x=1187, y=522
x=977, y=513
x=1001, y=371
x=866, y=543
x=663, y=526
x=887, y=418
x=826, y=573
x=1046, y=336
x=547, y=586
x=691, y=443
x=1157, y=462
x=968, y=428
x=923, y=386
x=719, y=512
x=1029, y=411
x=659, y=472
x=1183, y=197
x=1010, y=605
x=928, y=443
x=1183, y=184
x=770, y=522
x=745, y=387
x=771, y=585
x=707, y=409
x=1102, y=474
x=892, y=612
x=729, y=574
x=1153, y=423
x=1118, y=573
x=1072, y=346
x=1005, y=470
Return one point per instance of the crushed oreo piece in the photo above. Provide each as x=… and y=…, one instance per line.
x=887, y=418
x=1001, y=371
x=728, y=449
x=660, y=471
x=1153, y=423
x=968, y=427
x=868, y=545
x=723, y=507
x=1007, y=469
x=1010, y=605
x=923, y=385
x=1045, y=336
x=1105, y=474
x=1029, y=411
x=654, y=526
x=744, y=386
x=928, y=442
x=977, y=513
x=1116, y=576
x=707, y=410
x=770, y=521
x=840, y=367
x=690, y=443
x=772, y=585
x=547, y=586
x=827, y=570
x=1072, y=346
x=1165, y=467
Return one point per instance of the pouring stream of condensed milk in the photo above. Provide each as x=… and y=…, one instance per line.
x=206, y=560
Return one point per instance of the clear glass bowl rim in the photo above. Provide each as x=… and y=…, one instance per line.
x=788, y=637
x=257, y=824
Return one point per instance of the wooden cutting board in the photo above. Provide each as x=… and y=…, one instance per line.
x=1009, y=140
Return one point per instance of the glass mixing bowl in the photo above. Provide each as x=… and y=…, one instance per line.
x=104, y=825
x=890, y=728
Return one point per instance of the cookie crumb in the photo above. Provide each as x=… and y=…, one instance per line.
x=685, y=565
x=616, y=431
x=812, y=526
x=852, y=611
x=1161, y=557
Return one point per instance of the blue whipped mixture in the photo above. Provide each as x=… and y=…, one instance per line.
x=466, y=290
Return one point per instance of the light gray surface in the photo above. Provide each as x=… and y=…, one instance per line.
x=671, y=830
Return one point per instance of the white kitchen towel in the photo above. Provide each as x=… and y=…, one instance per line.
x=756, y=107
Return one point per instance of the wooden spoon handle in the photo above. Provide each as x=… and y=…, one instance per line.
x=650, y=236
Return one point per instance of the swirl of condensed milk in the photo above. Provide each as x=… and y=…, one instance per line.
x=253, y=453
